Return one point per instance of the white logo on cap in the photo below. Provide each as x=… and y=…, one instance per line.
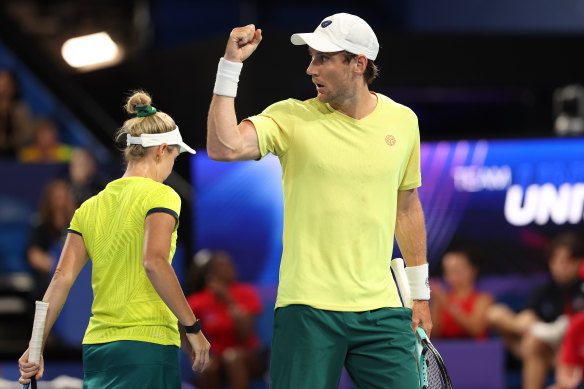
x=326, y=23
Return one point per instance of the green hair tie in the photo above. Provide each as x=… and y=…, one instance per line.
x=145, y=110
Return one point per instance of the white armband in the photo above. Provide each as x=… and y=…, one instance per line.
x=418, y=280
x=227, y=78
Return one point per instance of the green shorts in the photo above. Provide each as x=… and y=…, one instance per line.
x=130, y=364
x=310, y=347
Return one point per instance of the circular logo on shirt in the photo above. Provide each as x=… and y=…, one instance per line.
x=390, y=140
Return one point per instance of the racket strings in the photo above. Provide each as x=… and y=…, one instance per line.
x=435, y=379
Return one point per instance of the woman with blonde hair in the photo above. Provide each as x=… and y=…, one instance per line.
x=129, y=231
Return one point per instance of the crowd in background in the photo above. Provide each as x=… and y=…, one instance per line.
x=27, y=138
x=545, y=334
x=229, y=309
x=536, y=335
x=41, y=213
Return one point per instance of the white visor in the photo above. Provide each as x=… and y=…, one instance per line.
x=170, y=138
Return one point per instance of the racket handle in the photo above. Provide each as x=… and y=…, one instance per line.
x=36, y=339
x=32, y=384
x=38, y=331
x=399, y=272
x=421, y=333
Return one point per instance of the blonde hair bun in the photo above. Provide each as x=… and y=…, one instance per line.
x=137, y=98
x=138, y=125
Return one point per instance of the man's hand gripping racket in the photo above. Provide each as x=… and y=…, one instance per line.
x=433, y=373
x=30, y=360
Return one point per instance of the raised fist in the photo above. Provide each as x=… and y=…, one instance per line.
x=242, y=43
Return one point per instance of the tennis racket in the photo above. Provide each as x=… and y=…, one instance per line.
x=36, y=339
x=433, y=373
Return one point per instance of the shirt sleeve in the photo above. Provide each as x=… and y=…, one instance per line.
x=75, y=225
x=165, y=200
x=274, y=127
x=413, y=175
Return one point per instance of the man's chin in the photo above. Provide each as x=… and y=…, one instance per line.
x=322, y=98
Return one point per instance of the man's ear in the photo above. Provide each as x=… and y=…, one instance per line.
x=361, y=62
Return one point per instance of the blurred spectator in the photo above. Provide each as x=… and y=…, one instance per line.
x=534, y=334
x=48, y=231
x=46, y=147
x=227, y=309
x=571, y=361
x=83, y=175
x=459, y=310
x=15, y=120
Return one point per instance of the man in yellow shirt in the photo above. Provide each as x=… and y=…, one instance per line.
x=350, y=168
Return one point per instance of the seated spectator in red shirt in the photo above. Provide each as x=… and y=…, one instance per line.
x=571, y=362
x=534, y=334
x=227, y=309
x=459, y=310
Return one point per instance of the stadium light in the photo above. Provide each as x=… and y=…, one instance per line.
x=92, y=51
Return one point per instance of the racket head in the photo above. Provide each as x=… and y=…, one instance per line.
x=421, y=354
x=433, y=372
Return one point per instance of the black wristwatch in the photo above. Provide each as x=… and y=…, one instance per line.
x=194, y=329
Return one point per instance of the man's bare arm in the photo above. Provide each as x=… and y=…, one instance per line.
x=410, y=233
x=226, y=140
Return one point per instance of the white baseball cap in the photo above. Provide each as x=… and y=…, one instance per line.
x=341, y=32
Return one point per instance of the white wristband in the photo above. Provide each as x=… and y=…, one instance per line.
x=227, y=78
x=418, y=280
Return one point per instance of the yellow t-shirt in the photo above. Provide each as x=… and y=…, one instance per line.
x=341, y=178
x=125, y=304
